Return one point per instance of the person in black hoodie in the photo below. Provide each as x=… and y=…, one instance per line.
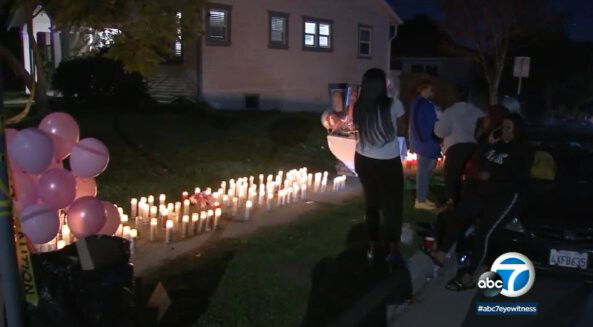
x=491, y=193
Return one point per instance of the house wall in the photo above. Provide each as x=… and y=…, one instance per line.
x=290, y=79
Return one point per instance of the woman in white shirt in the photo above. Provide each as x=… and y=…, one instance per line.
x=377, y=162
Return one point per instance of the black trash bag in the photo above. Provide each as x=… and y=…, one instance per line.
x=71, y=296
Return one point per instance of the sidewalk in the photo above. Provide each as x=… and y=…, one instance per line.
x=151, y=255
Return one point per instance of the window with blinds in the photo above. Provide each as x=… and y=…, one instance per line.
x=278, y=25
x=365, y=36
x=317, y=34
x=218, y=25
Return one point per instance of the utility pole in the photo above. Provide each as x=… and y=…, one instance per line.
x=11, y=282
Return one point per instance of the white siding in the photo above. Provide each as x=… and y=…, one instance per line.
x=291, y=79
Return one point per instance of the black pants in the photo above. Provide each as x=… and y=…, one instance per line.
x=456, y=158
x=485, y=212
x=382, y=182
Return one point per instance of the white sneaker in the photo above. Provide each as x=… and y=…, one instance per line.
x=425, y=205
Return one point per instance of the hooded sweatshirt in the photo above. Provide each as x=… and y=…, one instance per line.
x=457, y=124
x=422, y=119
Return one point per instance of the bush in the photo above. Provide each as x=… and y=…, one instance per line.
x=98, y=80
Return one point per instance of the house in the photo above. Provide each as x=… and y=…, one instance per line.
x=274, y=54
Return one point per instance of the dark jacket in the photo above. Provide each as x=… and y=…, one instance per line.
x=422, y=119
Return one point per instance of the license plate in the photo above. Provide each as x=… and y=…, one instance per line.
x=569, y=259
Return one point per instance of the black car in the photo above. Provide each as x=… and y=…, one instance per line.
x=554, y=225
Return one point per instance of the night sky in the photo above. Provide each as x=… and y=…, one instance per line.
x=579, y=14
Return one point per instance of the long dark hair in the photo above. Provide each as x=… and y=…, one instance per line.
x=519, y=126
x=372, y=112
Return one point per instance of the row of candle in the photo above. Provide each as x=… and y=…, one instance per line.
x=237, y=197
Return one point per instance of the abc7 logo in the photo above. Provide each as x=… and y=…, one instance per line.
x=490, y=283
x=518, y=275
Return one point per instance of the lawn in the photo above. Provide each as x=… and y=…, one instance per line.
x=275, y=277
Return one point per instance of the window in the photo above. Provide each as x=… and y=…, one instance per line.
x=317, y=34
x=365, y=38
x=177, y=46
x=218, y=25
x=278, y=25
x=431, y=69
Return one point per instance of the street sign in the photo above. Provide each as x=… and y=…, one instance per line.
x=521, y=68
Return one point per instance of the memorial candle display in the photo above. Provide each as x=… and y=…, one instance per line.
x=169, y=231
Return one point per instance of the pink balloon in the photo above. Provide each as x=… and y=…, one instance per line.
x=112, y=219
x=86, y=216
x=56, y=188
x=85, y=187
x=9, y=134
x=32, y=150
x=89, y=158
x=40, y=223
x=25, y=188
x=64, y=132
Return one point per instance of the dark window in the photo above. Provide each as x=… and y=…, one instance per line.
x=317, y=34
x=218, y=24
x=432, y=70
x=365, y=39
x=44, y=44
x=278, y=25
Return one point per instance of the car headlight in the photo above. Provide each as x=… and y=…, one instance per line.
x=515, y=226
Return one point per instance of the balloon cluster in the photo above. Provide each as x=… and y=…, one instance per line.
x=45, y=194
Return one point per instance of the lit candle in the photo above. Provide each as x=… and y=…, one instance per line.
x=164, y=218
x=184, y=226
x=203, y=217
x=261, y=179
x=251, y=179
x=323, y=184
x=317, y=182
x=151, y=200
x=197, y=190
x=280, y=198
x=120, y=210
x=262, y=198
x=195, y=220
x=217, y=215
x=185, y=207
x=153, y=212
x=133, y=236
x=304, y=191
x=162, y=199
x=61, y=244
x=168, y=235
x=66, y=233
x=210, y=219
x=178, y=208
x=134, y=207
x=124, y=219
x=225, y=201
x=296, y=191
x=153, y=223
x=185, y=196
x=235, y=206
x=208, y=191
x=137, y=222
x=126, y=232
x=223, y=187
x=309, y=180
x=248, y=206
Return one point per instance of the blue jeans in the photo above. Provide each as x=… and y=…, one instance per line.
x=423, y=173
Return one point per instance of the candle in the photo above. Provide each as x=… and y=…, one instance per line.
x=151, y=200
x=164, y=217
x=120, y=210
x=185, y=207
x=153, y=224
x=217, y=215
x=261, y=179
x=203, y=217
x=208, y=191
x=178, y=208
x=195, y=220
x=223, y=187
x=185, y=196
x=210, y=219
x=251, y=179
x=184, y=226
x=235, y=206
x=133, y=236
x=262, y=198
x=120, y=231
x=323, y=184
x=309, y=180
x=66, y=233
x=153, y=211
x=225, y=201
x=296, y=191
x=134, y=207
x=280, y=200
x=162, y=199
x=126, y=232
x=168, y=235
x=61, y=244
x=124, y=219
x=248, y=206
x=197, y=190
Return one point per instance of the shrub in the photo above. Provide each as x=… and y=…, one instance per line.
x=98, y=80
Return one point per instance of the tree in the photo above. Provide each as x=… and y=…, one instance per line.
x=488, y=30
x=143, y=31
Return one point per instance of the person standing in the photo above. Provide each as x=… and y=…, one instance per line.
x=377, y=162
x=456, y=126
x=423, y=142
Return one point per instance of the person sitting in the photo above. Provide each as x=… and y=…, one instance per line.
x=490, y=195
